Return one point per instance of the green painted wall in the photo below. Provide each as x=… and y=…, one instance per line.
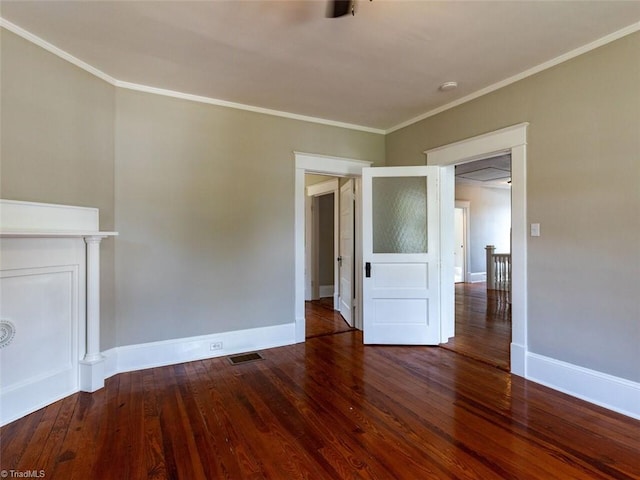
x=583, y=187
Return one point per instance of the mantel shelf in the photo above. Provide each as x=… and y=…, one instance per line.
x=53, y=234
x=38, y=236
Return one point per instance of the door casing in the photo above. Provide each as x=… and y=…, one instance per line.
x=512, y=140
x=323, y=165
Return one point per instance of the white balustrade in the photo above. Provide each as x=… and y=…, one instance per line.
x=498, y=269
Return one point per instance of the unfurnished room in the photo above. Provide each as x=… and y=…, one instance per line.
x=319, y=239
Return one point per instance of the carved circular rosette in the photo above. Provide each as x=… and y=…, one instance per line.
x=7, y=332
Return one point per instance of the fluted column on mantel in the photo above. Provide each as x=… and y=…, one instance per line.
x=92, y=366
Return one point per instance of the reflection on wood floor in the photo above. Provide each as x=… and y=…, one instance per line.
x=331, y=408
x=483, y=325
x=322, y=319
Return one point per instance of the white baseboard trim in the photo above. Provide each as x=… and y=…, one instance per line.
x=477, y=277
x=170, y=352
x=326, y=291
x=518, y=359
x=27, y=398
x=300, y=329
x=614, y=393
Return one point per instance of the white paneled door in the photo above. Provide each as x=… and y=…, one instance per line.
x=345, y=258
x=401, y=255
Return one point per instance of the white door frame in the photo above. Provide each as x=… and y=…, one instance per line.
x=465, y=206
x=508, y=140
x=311, y=251
x=323, y=165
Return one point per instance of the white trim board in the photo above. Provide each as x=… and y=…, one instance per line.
x=323, y=188
x=19, y=407
x=634, y=27
x=170, y=352
x=38, y=217
x=511, y=139
x=477, y=277
x=612, y=37
x=614, y=393
x=326, y=291
x=30, y=37
x=21, y=32
x=327, y=165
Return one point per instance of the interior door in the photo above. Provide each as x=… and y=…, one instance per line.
x=345, y=258
x=401, y=255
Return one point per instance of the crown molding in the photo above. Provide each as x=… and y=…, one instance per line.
x=520, y=76
x=21, y=32
x=322, y=121
x=241, y=106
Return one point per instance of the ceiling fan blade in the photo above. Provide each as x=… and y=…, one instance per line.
x=339, y=8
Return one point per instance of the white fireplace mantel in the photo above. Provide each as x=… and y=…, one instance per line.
x=31, y=219
x=32, y=234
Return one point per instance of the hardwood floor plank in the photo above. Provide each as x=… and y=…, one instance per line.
x=431, y=444
x=179, y=442
x=217, y=459
x=331, y=408
x=113, y=435
x=60, y=429
x=348, y=458
x=72, y=463
x=153, y=448
x=483, y=438
x=321, y=319
x=249, y=431
x=273, y=455
x=24, y=442
x=136, y=426
x=375, y=439
x=232, y=453
x=482, y=324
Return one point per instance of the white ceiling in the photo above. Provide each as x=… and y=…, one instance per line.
x=377, y=69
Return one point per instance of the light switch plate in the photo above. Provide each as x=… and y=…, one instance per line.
x=535, y=229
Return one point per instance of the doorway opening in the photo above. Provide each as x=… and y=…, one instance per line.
x=507, y=140
x=306, y=163
x=329, y=247
x=482, y=241
x=461, y=242
x=510, y=140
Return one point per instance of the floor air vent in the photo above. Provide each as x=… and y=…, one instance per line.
x=247, y=357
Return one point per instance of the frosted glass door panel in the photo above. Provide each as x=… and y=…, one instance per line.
x=400, y=214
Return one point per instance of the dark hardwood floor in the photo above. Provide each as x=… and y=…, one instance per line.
x=329, y=408
x=483, y=325
x=322, y=319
